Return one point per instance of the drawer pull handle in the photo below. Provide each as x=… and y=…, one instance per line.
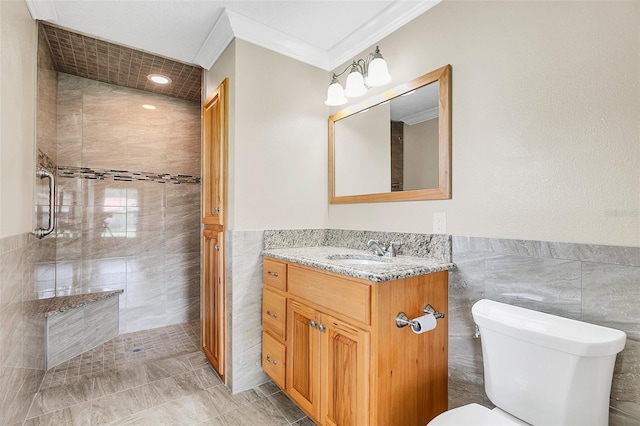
x=272, y=361
x=272, y=314
x=273, y=274
x=312, y=323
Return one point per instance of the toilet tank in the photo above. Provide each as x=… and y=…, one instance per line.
x=544, y=369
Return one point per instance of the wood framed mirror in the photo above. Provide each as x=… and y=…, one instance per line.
x=395, y=146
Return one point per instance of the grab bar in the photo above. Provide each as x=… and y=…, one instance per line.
x=41, y=232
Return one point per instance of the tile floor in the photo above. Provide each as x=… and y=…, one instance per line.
x=153, y=377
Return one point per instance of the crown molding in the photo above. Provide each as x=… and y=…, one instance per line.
x=231, y=24
x=262, y=35
x=421, y=116
x=43, y=10
x=390, y=19
x=220, y=36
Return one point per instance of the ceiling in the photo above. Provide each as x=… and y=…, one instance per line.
x=99, y=60
x=322, y=33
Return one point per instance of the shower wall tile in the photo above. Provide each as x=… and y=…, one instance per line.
x=593, y=283
x=47, y=86
x=119, y=232
x=69, y=192
x=183, y=195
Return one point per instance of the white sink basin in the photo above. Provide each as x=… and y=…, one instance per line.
x=358, y=260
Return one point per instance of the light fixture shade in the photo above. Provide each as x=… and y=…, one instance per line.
x=335, y=95
x=378, y=74
x=355, y=84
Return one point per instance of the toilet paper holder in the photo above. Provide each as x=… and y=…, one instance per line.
x=402, y=320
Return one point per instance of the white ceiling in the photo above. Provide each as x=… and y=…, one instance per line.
x=323, y=33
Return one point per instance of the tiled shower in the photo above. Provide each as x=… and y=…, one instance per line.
x=129, y=200
x=128, y=196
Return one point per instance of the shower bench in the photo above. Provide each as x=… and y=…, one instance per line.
x=77, y=323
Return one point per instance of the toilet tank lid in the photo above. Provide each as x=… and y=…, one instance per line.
x=563, y=334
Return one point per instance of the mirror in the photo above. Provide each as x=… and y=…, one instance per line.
x=395, y=146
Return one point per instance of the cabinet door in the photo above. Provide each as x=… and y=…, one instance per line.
x=303, y=356
x=213, y=292
x=345, y=382
x=214, y=141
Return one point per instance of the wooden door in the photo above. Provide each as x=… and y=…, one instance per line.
x=303, y=358
x=214, y=165
x=214, y=133
x=345, y=383
x=213, y=309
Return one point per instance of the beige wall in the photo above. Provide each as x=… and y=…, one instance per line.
x=546, y=105
x=17, y=117
x=278, y=139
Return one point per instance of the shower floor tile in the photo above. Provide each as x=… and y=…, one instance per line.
x=151, y=377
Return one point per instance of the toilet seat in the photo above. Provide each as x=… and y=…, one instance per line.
x=474, y=414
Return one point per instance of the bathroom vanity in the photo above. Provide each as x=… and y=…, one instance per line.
x=331, y=342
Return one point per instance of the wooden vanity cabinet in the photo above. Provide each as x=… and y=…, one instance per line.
x=274, y=316
x=347, y=363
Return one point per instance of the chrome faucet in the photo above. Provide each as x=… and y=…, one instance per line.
x=377, y=250
x=380, y=250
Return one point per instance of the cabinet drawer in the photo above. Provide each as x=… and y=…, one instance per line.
x=348, y=298
x=274, y=313
x=273, y=359
x=274, y=274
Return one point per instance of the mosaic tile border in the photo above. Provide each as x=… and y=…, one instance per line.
x=44, y=161
x=124, y=175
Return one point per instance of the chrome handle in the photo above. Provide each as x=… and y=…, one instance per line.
x=272, y=314
x=273, y=274
x=41, y=232
x=272, y=361
x=322, y=327
x=313, y=324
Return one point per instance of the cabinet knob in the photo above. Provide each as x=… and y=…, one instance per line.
x=313, y=324
x=273, y=274
x=322, y=327
x=216, y=248
x=272, y=361
x=272, y=314
x=216, y=209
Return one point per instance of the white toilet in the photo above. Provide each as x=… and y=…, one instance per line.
x=540, y=369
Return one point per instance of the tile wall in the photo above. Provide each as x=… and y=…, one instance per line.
x=593, y=283
x=22, y=357
x=129, y=200
x=244, y=307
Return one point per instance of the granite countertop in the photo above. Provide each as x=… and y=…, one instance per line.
x=389, y=268
x=59, y=304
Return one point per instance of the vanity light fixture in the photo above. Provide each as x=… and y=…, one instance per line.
x=363, y=74
x=159, y=78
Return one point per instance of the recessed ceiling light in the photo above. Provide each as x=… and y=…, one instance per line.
x=147, y=106
x=159, y=78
